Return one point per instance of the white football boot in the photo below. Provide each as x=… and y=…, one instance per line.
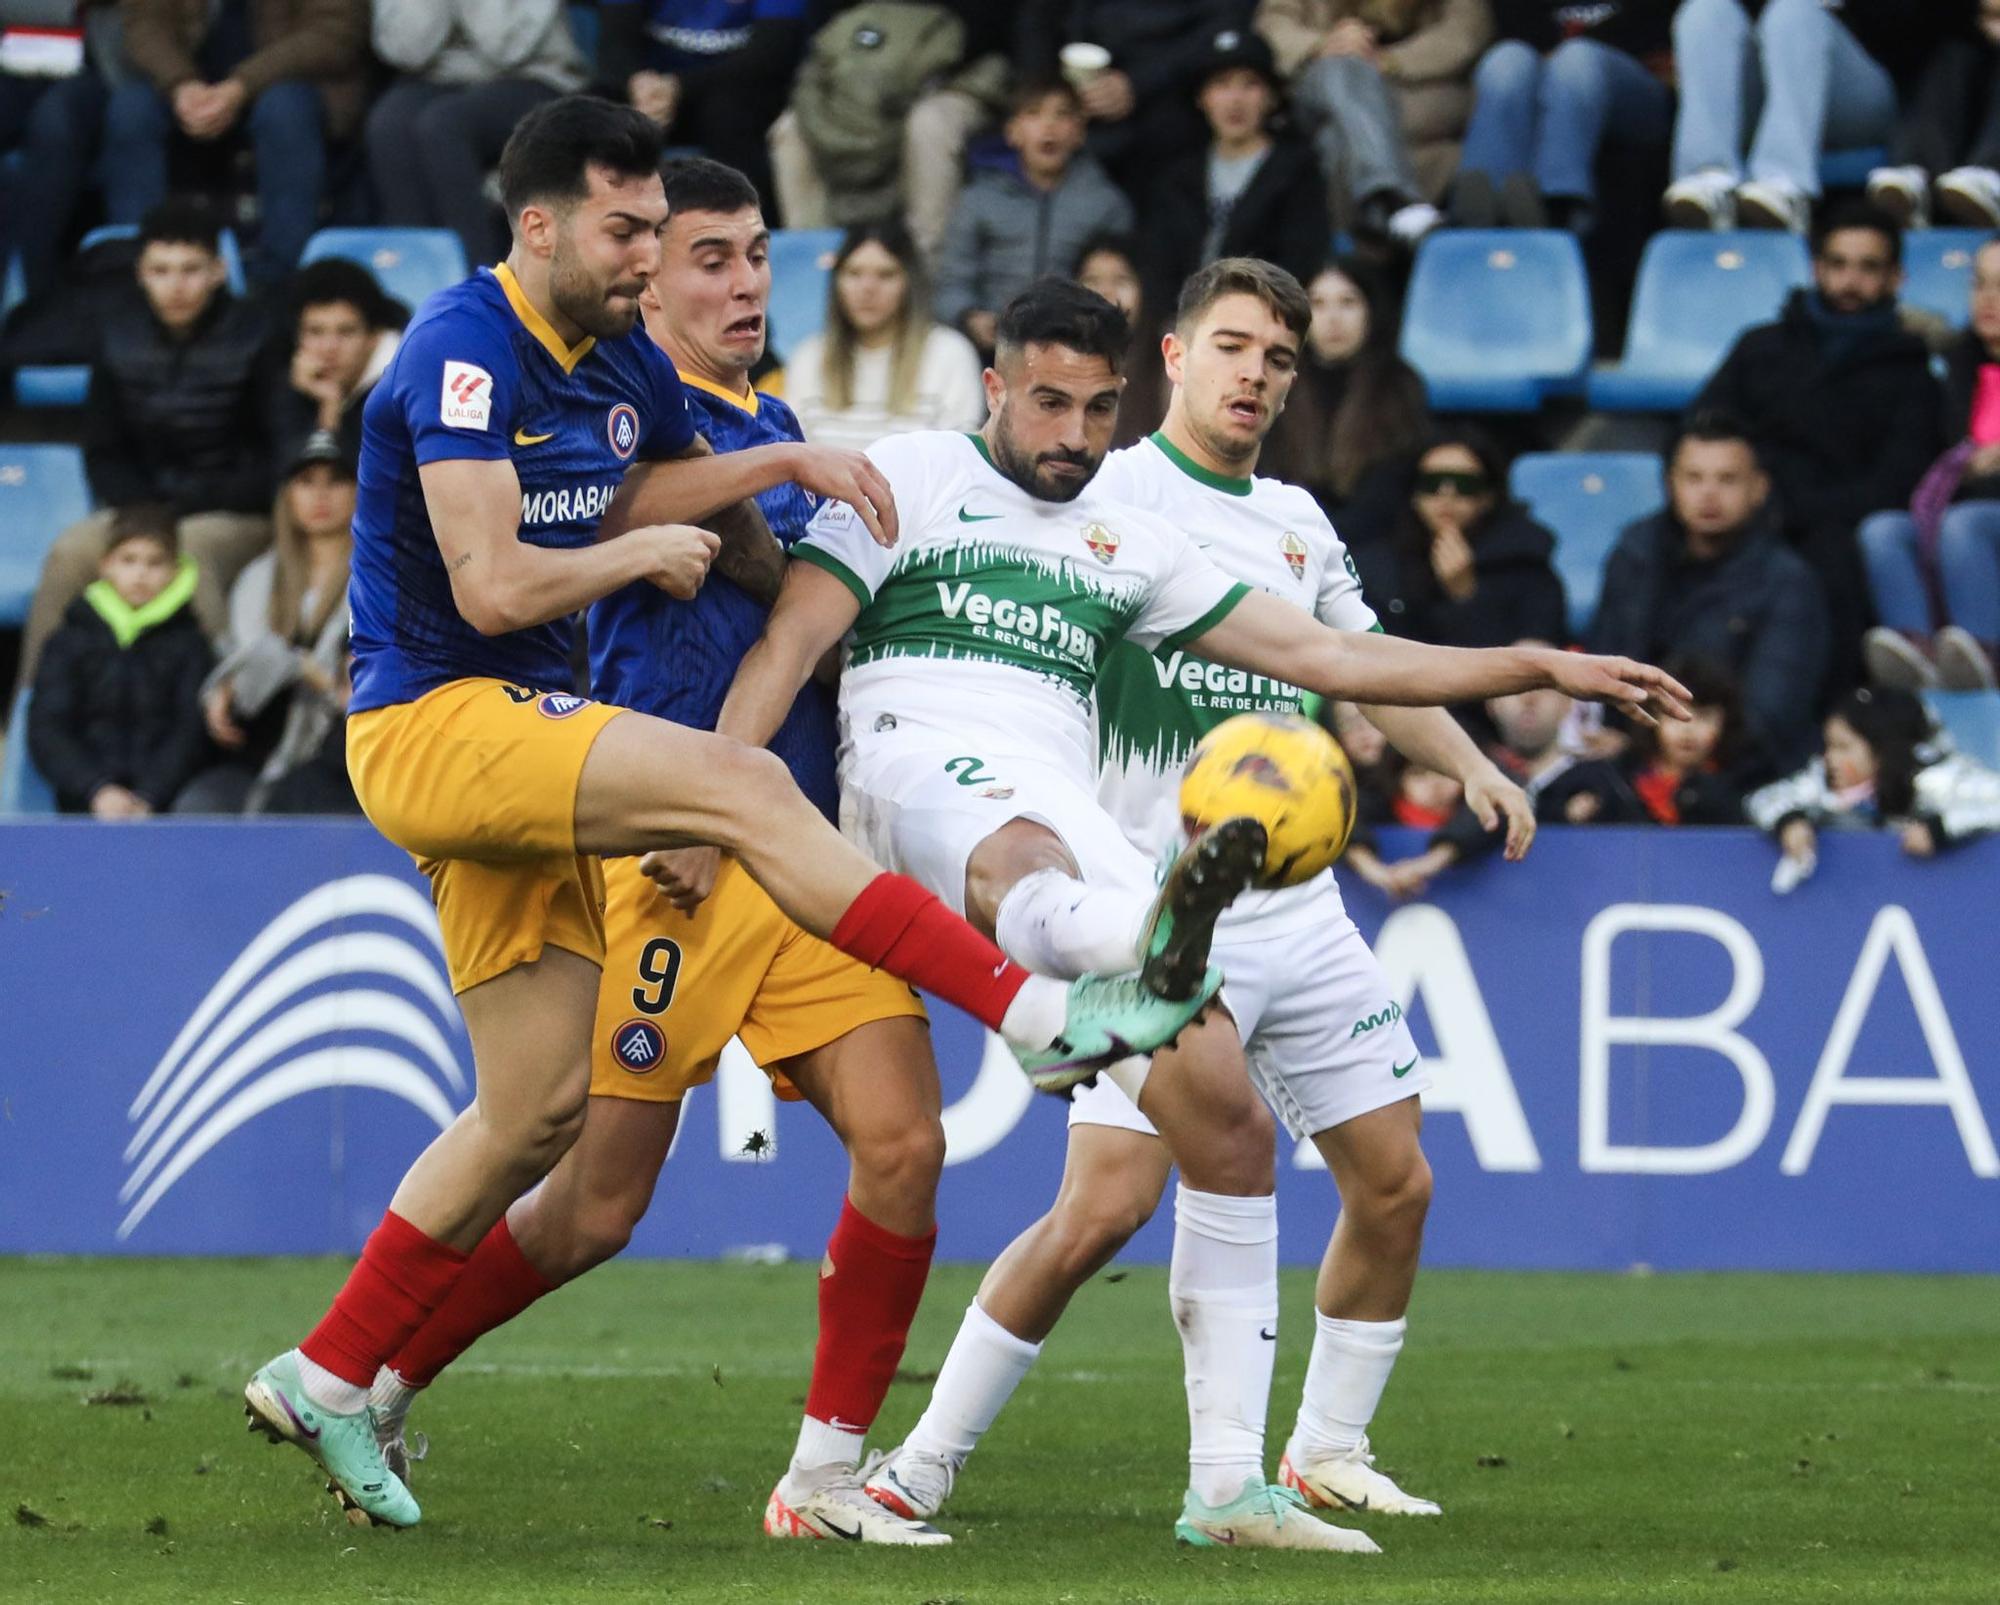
x=913, y=1484
x=830, y=1503
x=1350, y=1482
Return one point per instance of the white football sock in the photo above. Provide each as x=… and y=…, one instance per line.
x=979, y=1375
x=391, y=1395
x=1350, y=1366
x=822, y=1444
x=335, y=1395
x=1052, y=923
x=1224, y=1286
x=1038, y=1013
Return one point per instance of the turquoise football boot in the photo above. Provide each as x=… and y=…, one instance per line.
x=1264, y=1516
x=1207, y=876
x=344, y=1445
x=1111, y=1017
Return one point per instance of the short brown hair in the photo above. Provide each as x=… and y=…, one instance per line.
x=145, y=521
x=1244, y=275
x=1030, y=92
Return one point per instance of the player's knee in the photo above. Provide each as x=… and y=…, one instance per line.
x=600, y=1231
x=1093, y=1225
x=759, y=789
x=538, y=1133
x=907, y=1159
x=1399, y=1204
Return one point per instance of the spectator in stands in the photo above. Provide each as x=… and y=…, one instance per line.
x=1767, y=85
x=1710, y=577
x=1679, y=772
x=1882, y=766
x=115, y=723
x=1839, y=399
x=1357, y=415
x=1948, y=142
x=178, y=413
x=344, y=331
x=1463, y=565
x=882, y=112
x=1253, y=192
x=1016, y=223
x=1137, y=105
x=1109, y=265
x=1384, y=88
x=467, y=72
x=282, y=680
x=881, y=366
x=52, y=98
x=712, y=73
x=287, y=74
x=1562, y=80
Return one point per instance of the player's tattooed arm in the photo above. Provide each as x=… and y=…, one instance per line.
x=692, y=488
x=751, y=555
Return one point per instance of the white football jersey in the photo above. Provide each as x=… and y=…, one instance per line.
x=991, y=618
x=1153, y=706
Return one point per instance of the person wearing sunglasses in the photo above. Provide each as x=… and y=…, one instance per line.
x=1463, y=565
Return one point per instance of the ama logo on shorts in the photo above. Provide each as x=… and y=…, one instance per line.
x=639, y=1045
x=561, y=704
x=622, y=429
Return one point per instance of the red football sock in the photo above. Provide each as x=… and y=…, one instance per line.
x=498, y=1285
x=868, y=1295
x=896, y=925
x=402, y=1276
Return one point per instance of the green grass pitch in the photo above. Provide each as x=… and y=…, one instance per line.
x=1592, y=1439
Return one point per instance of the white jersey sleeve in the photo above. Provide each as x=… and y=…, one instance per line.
x=1188, y=597
x=838, y=541
x=1339, y=604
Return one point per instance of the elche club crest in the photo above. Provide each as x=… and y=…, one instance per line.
x=1294, y=551
x=1103, y=543
x=621, y=428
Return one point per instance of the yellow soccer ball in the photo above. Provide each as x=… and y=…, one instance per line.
x=1286, y=773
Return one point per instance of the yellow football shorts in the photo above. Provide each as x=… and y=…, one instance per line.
x=477, y=782
x=678, y=986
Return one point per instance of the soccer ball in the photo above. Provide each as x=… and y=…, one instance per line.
x=1286, y=773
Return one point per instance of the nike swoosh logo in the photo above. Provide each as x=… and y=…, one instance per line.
x=977, y=518
x=838, y=1531
x=297, y=1420
x=1268, y=1337
x=1401, y=1070
x=523, y=438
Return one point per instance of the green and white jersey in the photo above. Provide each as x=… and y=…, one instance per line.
x=992, y=617
x=1153, y=706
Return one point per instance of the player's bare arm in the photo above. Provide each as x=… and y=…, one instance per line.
x=691, y=489
x=1433, y=738
x=1267, y=636
x=500, y=582
x=751, y=555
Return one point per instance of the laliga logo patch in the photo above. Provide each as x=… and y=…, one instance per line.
x=466, y=401
x=639, y=1045
x=621, y=428
x=1295, y=554
x=560, y=705
x=1103, y=543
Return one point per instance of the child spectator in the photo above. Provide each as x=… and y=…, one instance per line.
x=1882, y=766
x=344, y=331
x=1014, y=224
x=281, y=684
x=1678, y=772
x=1384, y=88
x=1357, y=415
x=467, y=72
x=115, y=723
x=881, y=366
x=1948, y=143
x=1463, y=565
x=1108, y=265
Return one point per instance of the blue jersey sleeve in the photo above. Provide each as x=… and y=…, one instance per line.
x=456, y=386
x=670, y=425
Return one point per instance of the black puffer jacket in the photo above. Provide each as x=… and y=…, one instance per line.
x=1281, y=216
x=180, y=421
x=1641, y=28
x=1159, y=44
x=1516, y=595
x=106, y=714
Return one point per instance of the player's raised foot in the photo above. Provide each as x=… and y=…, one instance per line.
x=1265, y=1516
x=831, y=1503
x=909, y=1482
x=1108, y=1018
x=1350, y=1482
x=1211, y=871
x=344, y=1445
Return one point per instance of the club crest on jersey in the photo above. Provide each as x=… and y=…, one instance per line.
x=639, y=1045
x=621, y=428
x=1295, y=554
x=1103, y=543
x=561, y=704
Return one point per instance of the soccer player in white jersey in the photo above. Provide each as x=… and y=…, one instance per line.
x=1322, y=1036
x=969, y=758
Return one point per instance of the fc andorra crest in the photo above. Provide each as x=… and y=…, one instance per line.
x=1295, y=554
x=1103, y=543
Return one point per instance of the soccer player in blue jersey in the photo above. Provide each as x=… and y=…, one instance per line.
x=685, y=970
x=491, y=451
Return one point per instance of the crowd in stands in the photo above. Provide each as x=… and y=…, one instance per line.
x=1831, y=530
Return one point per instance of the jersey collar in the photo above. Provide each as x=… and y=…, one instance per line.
x=567, y=357
x=1202, y=476
x=747, y=402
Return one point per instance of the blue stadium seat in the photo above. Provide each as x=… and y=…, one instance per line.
x=801, y=263
x=42, y=491
x=23, y=790
x=1587, y=498
x=409, y=263
x=1697, y=292
x=1973, y=718
x=1498, y=320
x=1938, y=262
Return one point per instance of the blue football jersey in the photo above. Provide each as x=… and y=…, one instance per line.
x=676, y=659
x=481, y=374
